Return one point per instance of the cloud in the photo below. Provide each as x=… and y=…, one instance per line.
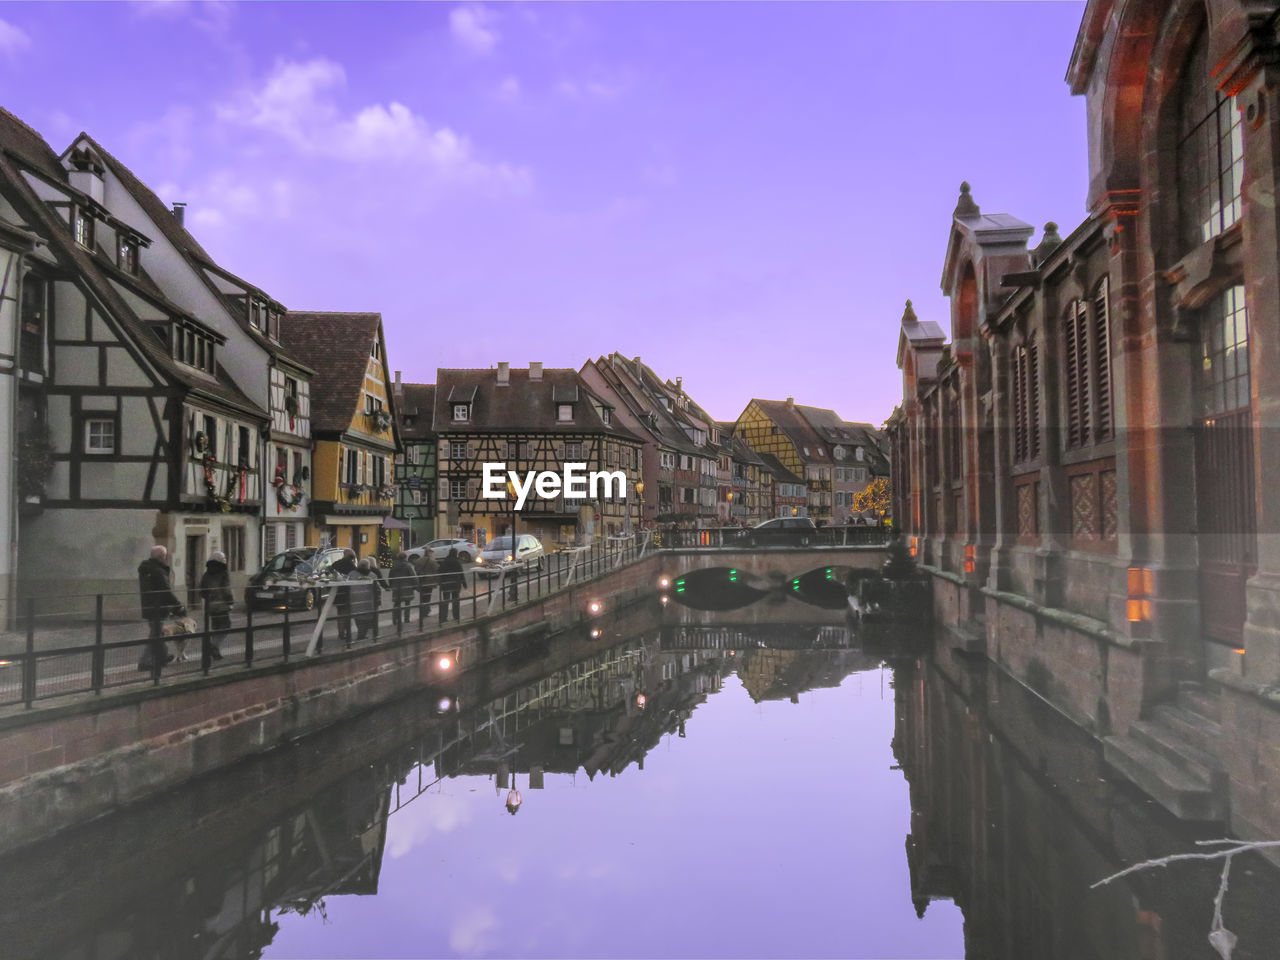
x=298, y=102
x=13, y=40
x=586, y=90
x=508, y=90
x=472, y=931
x=472, y=29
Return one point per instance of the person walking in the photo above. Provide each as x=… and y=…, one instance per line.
x=158, y=603
x=404, y=583
x=215, y=591
x=451, y=583
x=344, y=567
x=424, y=565
x=364, y=605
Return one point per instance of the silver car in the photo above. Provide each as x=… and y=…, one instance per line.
x=498, y=554
x=467, y=551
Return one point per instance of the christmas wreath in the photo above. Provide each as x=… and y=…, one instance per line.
x=200, y=443
x=288, y=495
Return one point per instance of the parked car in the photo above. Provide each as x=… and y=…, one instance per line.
x=782, y=530
x=498, y=554
x=292, y=579
x=467, y=551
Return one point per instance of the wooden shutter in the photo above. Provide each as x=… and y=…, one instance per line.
x=1104, y=426
x=1033, y=400
x=1076, y=371
x=1018, y=387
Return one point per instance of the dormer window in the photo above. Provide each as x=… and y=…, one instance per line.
x=606, y=415
x=273, y=324
x=461, y=411
x=564, y=412
x=858, y=455
x=127, y=254
x=82, y=227
x=194, y=348
x=820, y=453
x=374, y=351
x=255, y=314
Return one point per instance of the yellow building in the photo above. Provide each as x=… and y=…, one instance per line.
x=353, y=423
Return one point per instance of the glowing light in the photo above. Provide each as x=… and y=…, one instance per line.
x=597, y=634
x=665, y=599
x=444, y=662
x=640, y=700
x=664, y=582
x=594, y=607
x=5, y=663
x=444, y=705
x=479, y=559
x=1239, y=650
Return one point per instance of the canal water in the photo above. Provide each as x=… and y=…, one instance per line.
x=765, y=781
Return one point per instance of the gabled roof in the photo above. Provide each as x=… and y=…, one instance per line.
x=969, y=225
x=337, y=346
x=197, y=258
x=416, y=410
x=918, y=334
x=522, y=405
x=639, y=386
x=780, y=473
x=21, y=147
x=792, y=422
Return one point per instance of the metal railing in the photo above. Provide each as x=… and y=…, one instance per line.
x=745, y=538
x=66, y=645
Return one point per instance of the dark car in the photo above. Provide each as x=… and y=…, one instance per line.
x=795, y=531
x=291, y=579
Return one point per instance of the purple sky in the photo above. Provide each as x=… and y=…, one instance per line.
x=741, y=194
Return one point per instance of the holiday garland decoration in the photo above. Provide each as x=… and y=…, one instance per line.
x=288, y=495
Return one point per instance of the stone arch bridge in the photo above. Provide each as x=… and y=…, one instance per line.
x=772, y=565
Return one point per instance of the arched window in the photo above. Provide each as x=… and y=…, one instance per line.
x=1210, y=152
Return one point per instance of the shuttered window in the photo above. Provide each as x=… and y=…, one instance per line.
x=1086, y=352
x=1025, y=390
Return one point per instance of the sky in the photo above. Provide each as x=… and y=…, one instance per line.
x=743, y=195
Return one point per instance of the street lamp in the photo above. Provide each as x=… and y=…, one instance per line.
x=640, y=494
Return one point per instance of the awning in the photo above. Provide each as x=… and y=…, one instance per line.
x=394, y=523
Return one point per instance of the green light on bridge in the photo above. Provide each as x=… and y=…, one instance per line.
x=733, y=575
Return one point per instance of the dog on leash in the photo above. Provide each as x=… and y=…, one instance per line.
x=179, y=628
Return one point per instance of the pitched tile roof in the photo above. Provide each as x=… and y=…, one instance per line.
x=337, y=346
x=185, y=243
x=780, y=473
x=793, y=423
x=22, y=147
x=416, y=409
x=523, y=405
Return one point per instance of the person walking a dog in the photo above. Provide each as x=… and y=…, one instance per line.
x=158, y=603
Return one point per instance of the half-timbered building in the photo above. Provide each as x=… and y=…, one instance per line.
x=131, y=429
x=644, y=408
x=416, y=462
x=253, y=355
x=530, y=419
x=353, y=425
x=779, y=428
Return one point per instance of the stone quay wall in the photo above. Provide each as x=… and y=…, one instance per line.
x=67, y=763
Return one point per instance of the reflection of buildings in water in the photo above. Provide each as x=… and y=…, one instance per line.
x=785, y=674
x=1014, y=818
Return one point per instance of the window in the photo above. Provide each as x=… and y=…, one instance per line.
x=34, y=297
x=127, y=254
x=412, y=454
x=269, y=541
x=242, y=457
x=211, y=434
x=379, y=471
x=100, y=435
x=1025, y=387
x=372, y=404
x=573, y=451
x=273, y=324
x=859, y=476
x=375, y=351
x=462, y=411
x=82, y=227
x=858, y=454
x=1087, y=370
x=290, y=535
x=1224, y=351
x=457, y=450
x=255, y=313
x=353, y=467
x=416, y=497
x=606, y=415
x=457, y=489
x=1210, y=152
x=564, y=412
x=233, y=547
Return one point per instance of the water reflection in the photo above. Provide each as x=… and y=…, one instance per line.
x=759, y=828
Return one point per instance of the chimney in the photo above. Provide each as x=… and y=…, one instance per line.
x=504, y=374
x=791, y=401
x=679, y=384
x=179, y=210
x=535, y=371
x=399, y=387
